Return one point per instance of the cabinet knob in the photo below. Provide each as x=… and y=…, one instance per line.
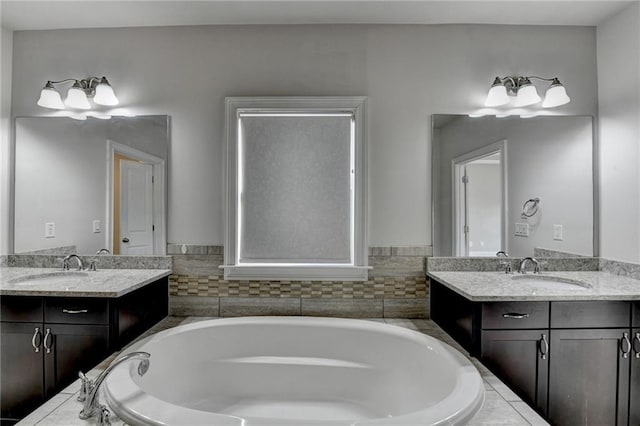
x=625, y=345
x=36, y=340
x=125, y=240
x=48, y=337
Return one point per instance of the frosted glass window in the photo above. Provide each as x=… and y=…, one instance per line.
x=295, y=201
x=296, y=189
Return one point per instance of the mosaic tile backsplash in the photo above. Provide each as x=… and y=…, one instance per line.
x=397, y=286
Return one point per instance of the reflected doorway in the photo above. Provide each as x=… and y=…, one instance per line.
x=136, y=191
x=479, y=185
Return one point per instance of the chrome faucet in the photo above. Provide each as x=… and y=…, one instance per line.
x=65, y=262
x=523, y=264
x=106, y=251
x=502, y=253
x=89, y=388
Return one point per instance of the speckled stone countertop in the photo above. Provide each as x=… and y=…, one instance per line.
x=498, y=286
x=55, y=282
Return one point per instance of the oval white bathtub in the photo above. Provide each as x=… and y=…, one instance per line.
x=299, y=371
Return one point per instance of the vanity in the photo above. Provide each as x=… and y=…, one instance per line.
x=56, y=323
x=573, y=354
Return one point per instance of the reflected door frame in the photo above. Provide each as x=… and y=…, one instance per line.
x=159, y=177
x=458, y=164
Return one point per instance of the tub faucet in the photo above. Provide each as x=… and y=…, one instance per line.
x=65, y=262
x=89, y=388
x=523, y=264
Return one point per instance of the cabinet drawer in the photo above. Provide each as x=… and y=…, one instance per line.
x=595, y=314
x=21, y=308
x=515, y=315
x=636, y=314
x=76, y=310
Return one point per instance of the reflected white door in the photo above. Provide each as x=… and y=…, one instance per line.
x=136, y=208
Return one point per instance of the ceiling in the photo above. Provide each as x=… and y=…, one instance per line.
x=56, y=14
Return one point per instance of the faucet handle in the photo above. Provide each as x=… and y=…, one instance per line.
x=103, y=418
x=507, y=267
x=92, y=265
x=86, y=385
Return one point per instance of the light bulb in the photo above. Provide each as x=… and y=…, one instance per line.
x=104, y=94
x=497, y=95
x=527, y=94
x=76, y=97
x=556, y=95
x=50, y=98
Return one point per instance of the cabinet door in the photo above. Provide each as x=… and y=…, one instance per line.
x=69, y=349
x=634, y=389
x=520, y=359
x=21, y=384
x=588, y=378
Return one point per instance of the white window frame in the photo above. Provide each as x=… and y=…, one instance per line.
x=357, y=268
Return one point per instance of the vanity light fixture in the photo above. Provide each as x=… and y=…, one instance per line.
x=78, y=94
x=504, y=89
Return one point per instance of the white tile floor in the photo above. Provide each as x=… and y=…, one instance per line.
x=501, y=407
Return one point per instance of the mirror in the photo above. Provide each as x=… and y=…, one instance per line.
x=82, y=186
x=512, y=184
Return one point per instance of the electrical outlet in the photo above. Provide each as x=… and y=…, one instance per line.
x=50, y=230
x=557, y=232
x=97, y=227
x=522, y=230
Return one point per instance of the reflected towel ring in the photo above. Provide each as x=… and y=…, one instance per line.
x=530, y=207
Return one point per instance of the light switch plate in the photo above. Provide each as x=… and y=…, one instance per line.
x=97, y=227
x=558, y=233
x=50, y=230
x=522, y=230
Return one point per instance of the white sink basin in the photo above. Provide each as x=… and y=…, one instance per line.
x=49, y=278
x=550, y=282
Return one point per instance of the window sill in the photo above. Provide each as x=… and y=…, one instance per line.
x=296, y=273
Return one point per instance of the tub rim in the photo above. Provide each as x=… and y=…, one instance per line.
x=459, y=406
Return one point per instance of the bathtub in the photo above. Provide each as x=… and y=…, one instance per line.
x=302, y=371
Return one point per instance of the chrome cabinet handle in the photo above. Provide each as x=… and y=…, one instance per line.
x=636, y=350
x=75, y=311
x=36, y=335
x=47, y=337
x=544, y=347
x=515, y=315
x=625, y=341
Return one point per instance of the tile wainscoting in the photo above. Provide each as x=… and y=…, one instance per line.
x=397, y=288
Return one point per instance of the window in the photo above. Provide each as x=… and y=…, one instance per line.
x=296, y=189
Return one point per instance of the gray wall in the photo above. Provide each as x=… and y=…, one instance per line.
x=408, y=72
x=6, y=50
x=619, y=94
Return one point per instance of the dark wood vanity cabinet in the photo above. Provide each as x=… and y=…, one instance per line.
x=46, y=341
x=571, y=361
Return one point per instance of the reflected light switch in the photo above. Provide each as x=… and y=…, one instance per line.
x=557, y=232
x=522, y=229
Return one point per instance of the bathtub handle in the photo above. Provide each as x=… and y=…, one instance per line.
x=544, y=347
x=515, y=315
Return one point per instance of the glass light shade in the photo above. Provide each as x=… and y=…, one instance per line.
x=497, y=95
x=556, y=95
x=77, y=98
x=50, y=98
x=79, y=117
x=104, y=94
x=527, y=95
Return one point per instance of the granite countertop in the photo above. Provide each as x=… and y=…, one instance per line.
x=55, y=282
x=498, y=286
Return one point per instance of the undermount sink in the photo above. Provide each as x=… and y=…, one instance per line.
x=48, y=277
x=550, y=282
